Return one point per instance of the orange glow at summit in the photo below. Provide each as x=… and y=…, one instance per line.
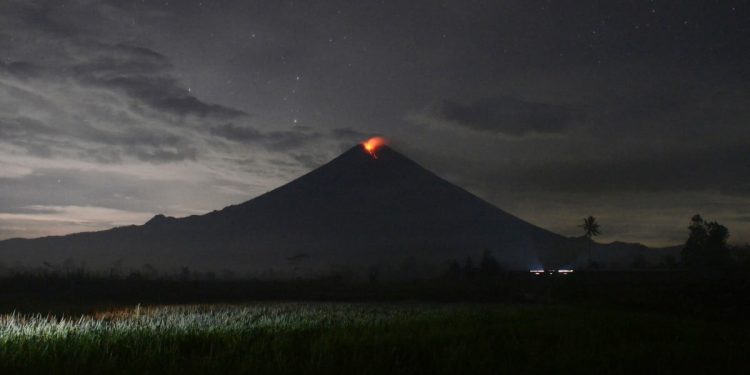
x=371, y=145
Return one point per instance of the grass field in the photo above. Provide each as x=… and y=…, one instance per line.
x=363, y=338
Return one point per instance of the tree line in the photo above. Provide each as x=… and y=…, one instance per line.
x=706, y=246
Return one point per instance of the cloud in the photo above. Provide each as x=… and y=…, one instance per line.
x=48, y=119
x=236, y=133
x=42, y=15
x=161, y=93
x=309, y=161
x=106, y=100
x=505, y=115
x=349, y=134
x=273, y=140
x=8, y=170
x=78, y=215
x=20, y=69
x=721, y=170
x=38, y=220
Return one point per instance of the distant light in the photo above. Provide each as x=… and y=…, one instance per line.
x=550, y=272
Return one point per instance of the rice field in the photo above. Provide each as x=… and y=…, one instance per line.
x=293, y=338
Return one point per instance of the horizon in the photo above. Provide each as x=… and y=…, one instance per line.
x=113, y=112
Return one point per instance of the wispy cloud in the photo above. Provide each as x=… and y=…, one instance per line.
x=50, y=220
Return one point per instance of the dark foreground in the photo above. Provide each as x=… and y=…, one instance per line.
x=326, y=338
x=585, y=323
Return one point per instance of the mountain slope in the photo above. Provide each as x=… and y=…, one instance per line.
x=359, y=209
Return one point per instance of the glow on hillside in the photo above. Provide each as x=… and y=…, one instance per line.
x=371, y=145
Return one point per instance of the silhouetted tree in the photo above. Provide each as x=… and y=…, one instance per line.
x=590, y=230
x=717, y=251
x=706, y=245
x=696, y=241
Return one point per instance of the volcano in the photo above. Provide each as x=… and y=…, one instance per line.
x=369, y=206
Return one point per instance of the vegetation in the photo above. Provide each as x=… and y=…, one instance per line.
x=706, y=247
x=590, y=229
x=328, y=338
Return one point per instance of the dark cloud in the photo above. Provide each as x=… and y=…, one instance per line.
x=274, y=140
x=145, y=75
x=309, y=161
x=506, y=115
x=45, y=140
x=21, y=69
x=99, y=128
x=43, y=16
x=723, y=171
x=24, y=132
x=349, y=134
x=237, y=133
x=189, y=105
x=287, y=140
x=23, y=127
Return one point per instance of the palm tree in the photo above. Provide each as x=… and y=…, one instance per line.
x=591, y=229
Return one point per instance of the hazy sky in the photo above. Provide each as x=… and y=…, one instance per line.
x=636, y=112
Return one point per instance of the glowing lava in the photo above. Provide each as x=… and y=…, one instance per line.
x=371, y=145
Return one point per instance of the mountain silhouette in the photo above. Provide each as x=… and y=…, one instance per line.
x=361, y=209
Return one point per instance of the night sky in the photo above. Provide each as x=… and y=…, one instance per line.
x=636, y=112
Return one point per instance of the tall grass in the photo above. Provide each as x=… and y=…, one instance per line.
x=368, y=338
